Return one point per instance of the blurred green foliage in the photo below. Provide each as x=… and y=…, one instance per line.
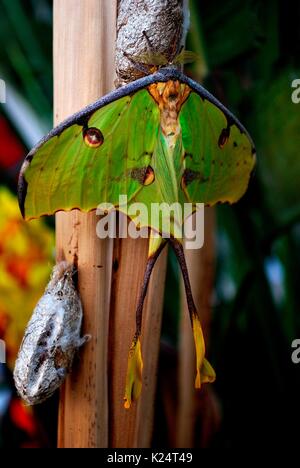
x=250, y=55
x=252, y=51
x=26, y=50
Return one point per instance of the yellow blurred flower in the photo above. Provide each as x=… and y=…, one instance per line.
x=26, y=259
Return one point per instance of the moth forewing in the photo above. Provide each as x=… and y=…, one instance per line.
x=162, y=140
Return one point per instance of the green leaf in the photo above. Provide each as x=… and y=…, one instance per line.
x=66, y=173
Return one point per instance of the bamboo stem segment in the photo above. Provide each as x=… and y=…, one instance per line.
x=92, y=412
x=163, y=22
x=84, y=34
x=133, y=427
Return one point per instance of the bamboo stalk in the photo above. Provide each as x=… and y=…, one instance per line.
x=83, y=53
x=133, y=428
x=84, y=32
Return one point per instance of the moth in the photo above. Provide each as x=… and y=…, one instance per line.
x=164, y=139
x=51, y=338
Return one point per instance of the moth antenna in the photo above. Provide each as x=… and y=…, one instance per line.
x=139, y=66
x=175, y=49
x=149, y=43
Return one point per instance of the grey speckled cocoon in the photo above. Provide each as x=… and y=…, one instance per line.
x=165, y=23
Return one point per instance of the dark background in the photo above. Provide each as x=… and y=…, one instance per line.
x=251, y=51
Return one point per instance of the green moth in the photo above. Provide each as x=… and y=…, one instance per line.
x=162, y=139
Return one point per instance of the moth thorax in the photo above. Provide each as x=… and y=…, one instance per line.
x=170, y=96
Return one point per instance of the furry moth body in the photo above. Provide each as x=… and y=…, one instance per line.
x=51, y=338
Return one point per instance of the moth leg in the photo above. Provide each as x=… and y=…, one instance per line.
x=135, y=362
x=205, y=372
